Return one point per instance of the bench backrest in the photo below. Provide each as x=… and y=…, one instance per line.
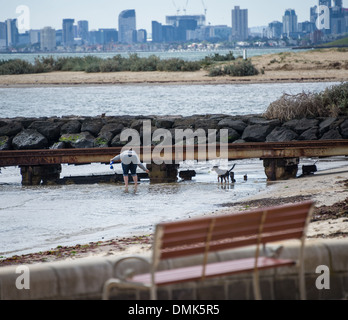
x=213, y=233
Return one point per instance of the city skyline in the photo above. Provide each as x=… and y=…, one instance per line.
x=104, y=13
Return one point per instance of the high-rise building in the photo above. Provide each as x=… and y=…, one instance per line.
x=82, y=30
x=48, y=39
x=141, y=36
x=127, y=26
x=68, y=32
x=3, y=36
x=290, y=22
x=34, y=36
x=176, y=20
x=157, y=33
x=275, y=30
x=240, y=30
x=338, y=3
x=337, y=20
x=12, y=32
x=325, y=3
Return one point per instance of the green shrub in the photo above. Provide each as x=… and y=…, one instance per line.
x=241, y=69
x=237, y=69
x=16, y=66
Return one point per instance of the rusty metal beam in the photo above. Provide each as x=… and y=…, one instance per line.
x=269, y=150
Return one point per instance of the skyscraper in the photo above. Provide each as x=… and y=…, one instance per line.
x=3, y=35
x=82, y=30
x=289, y=22
x=48, y=39
x=12, y=32
x=240, y=29
x=68, y=32
x=127, y=26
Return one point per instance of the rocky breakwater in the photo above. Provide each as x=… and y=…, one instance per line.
x=105, y=131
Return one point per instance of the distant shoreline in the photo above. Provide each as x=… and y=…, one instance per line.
x=324, y=65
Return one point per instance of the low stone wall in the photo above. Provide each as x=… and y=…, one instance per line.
x=104, y=131
x=84, y=278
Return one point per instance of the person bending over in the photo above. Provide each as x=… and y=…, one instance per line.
x=130, y=161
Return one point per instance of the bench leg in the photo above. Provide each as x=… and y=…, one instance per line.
x=256, y=286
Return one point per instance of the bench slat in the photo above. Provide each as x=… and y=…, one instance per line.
x=194, y=273
x=200, y=248
x=184, y=238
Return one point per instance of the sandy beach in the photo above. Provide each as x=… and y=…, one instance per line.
x=307, y=66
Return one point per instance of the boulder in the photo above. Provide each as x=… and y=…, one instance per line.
x=78, y=140
x=264, y=122
x=237, y=125
x=233, y=135
x=332, y=134
x=113, y=127
x=280, y=134
x=344, y=129
x=29, y=139
x=49, y=129
x=92, y=126
x=164, y=123
x=116, y=141
x=310, y=134
x=5, y=143
x=256, y=133
x=73, y=126
x=326, y=125
x=300, y=126
x=11, y=129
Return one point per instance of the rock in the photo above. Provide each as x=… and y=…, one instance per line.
x=5, y=143
x=112, y=127
x=29, y=139
x=58, y=145
x=264, y=122
x=164, y=123
x=233, y=135
x=280, y=134
x=73, y=126
x=49, y=129
x=116, y=141
x=237, y=125
x=92, y=126
x=326, y=125
x=332, y=134
x=11, y=129
x=256, y=133
x=344, y=129
x=300, y=126
x=78, y=140
x=310, y=134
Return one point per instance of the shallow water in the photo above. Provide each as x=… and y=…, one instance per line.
x=39, y=218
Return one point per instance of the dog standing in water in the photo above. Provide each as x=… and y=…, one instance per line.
x=223, y=174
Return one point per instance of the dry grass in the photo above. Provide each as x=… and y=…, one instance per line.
x=331, y=102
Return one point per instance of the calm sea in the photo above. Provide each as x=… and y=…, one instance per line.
x=193, y=55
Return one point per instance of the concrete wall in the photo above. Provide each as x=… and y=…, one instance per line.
x=84, y=278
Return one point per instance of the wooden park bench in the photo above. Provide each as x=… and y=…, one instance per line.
x=209, y=234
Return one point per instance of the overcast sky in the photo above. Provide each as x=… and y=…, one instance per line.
x=104, y=13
